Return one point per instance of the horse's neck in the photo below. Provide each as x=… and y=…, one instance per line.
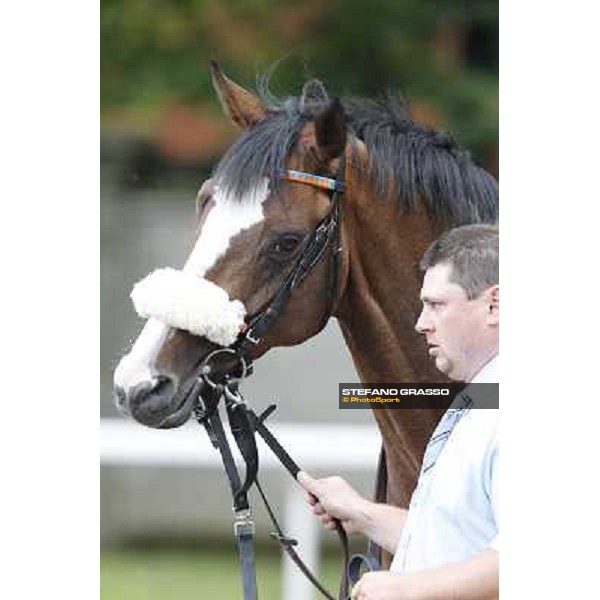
x=381, y=303
x=377, y=315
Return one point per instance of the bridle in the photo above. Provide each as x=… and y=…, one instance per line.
x=328, y=229
x=245, y=423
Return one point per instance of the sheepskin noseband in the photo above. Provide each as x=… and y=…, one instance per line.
x=185, y=301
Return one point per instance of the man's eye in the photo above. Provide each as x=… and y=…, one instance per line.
x=432, y=304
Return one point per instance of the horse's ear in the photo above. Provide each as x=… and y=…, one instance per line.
x=330, y=131
x=243, y=107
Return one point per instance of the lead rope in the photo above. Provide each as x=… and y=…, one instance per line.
x=288, y=544
x=293, y=469
x=243, y=524
x=244, y=422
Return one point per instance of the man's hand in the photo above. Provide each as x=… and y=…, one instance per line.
x=383, y=585
x=474, y=579
x=333, y=497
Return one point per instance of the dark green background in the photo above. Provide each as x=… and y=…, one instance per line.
x=441, y=54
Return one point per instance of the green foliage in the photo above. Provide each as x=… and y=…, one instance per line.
x=154, y=51
x=151, y=50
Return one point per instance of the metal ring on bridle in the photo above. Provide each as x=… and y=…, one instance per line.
x=205, y=366
x=233, y=396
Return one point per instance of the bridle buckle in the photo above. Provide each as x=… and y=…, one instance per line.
x=253, y=340
x=243, y=524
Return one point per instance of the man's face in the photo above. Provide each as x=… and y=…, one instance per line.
x=462, y=334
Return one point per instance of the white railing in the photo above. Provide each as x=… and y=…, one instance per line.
x=315, y=446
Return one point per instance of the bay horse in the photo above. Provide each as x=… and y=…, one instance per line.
x=404, y=184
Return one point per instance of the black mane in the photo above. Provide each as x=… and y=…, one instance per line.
x=423, y=163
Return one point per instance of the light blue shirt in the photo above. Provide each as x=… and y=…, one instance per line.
x=453, y=513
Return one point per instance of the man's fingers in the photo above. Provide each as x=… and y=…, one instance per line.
x=310, y=485
x=306, y=481
x=327, y=522
x=318, y=509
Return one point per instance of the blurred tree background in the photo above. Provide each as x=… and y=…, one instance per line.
x=161, y=125
x=157, y=97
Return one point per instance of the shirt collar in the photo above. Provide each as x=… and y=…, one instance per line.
x=489, y=373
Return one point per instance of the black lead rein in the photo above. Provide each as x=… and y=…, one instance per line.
x=244, y=424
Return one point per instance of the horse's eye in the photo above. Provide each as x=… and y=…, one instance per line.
x=285, y=244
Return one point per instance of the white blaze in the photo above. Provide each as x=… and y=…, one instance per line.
x=134, y=367
x=227, y=218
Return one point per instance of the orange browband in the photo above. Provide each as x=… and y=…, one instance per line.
x=325, y=183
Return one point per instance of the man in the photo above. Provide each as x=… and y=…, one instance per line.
x=446, y=544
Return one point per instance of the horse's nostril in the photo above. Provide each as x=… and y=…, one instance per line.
x=120, y=397
x=162, y=385
x=155, y=394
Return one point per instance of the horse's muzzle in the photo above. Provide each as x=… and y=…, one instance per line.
x=154, y=403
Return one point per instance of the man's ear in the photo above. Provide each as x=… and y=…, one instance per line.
x=493, y=305
x=244, y=108
x=330, y=132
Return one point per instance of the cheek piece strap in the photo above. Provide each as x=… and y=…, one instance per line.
x=327, y=231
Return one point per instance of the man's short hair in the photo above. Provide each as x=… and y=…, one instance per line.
x=472, y=252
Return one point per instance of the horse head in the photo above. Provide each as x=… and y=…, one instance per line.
x=257, y=218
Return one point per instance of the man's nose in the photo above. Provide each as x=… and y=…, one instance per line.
x=422, y=325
